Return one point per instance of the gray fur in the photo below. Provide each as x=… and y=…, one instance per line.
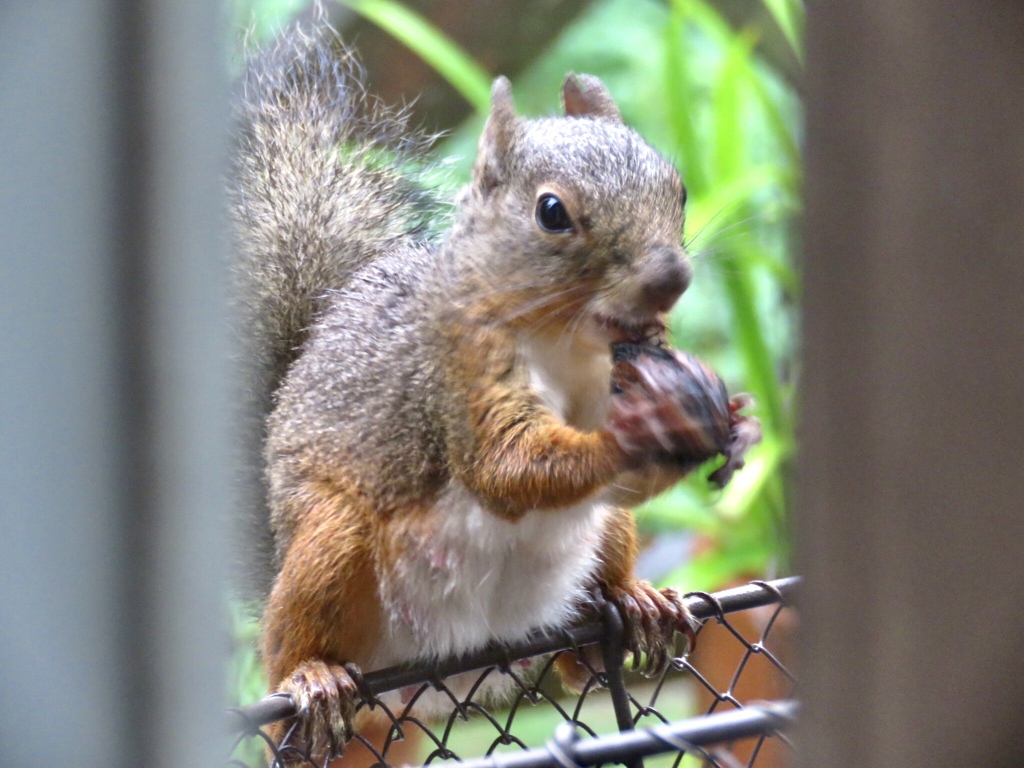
x=345, y=294
x=312, y=199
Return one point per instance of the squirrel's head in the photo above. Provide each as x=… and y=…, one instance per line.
x=581, y=218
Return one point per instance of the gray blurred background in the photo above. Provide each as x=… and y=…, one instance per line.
x=115, y=401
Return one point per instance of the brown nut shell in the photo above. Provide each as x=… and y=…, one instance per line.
x=695, y=418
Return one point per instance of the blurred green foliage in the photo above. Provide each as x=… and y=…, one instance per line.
x=694, y=87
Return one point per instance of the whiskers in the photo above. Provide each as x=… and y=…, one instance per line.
x=566, y=306
x=566, y=309
x=713, y=241
x=554, y=302
x=576, y=320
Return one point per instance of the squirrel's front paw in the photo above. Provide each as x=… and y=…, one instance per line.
x=670, y=407
x=325, y=697
x=651, y=618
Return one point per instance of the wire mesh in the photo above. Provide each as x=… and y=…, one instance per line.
x=505, y=707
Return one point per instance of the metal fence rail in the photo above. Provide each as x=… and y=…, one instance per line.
x=738, y=624
x=691, y=735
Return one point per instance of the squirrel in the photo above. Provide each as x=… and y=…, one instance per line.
x=443, y=458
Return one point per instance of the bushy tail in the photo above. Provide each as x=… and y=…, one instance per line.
x=321, y=184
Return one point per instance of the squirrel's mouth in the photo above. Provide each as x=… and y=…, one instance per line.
x=630, y=329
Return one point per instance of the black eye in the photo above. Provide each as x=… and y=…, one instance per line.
x=551, y=214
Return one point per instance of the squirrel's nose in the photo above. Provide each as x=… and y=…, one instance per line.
x=666, y=275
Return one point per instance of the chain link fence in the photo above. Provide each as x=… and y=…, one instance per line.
x=737, y=676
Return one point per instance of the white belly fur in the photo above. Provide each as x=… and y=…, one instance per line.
x=482, y=578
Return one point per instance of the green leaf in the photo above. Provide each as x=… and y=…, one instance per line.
x=779, y=126
x=682, y=507
x=431, y=45
x=708, y=214
x=748, y=485
x=713, y=569
x=263, y=18
x=750, y=337
x=680, y=97
x=789, y=15
x=730, y=105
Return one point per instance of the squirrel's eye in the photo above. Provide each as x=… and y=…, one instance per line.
x=551, y=214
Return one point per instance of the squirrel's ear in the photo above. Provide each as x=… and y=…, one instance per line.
x=587, y=96
x=489, y=168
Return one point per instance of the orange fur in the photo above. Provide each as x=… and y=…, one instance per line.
x=508, y=447
x=619, y=548
x=638, y=485
x=325, y=604
x=417, y=388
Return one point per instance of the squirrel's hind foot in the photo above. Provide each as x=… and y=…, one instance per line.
x=651, y=618
x=325, y=697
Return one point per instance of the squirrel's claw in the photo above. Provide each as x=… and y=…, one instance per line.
x=651, y=618
x=744, y=433
x=325, y=697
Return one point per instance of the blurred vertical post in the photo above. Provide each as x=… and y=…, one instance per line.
x=911, y=489
x=114, y=415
